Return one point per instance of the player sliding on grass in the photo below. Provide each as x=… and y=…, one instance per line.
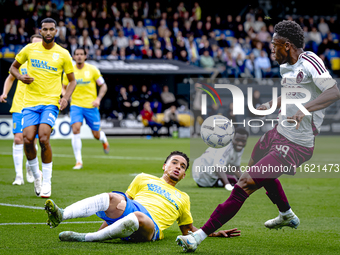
x=149, y=206
x=85, y=103
x=283, y=145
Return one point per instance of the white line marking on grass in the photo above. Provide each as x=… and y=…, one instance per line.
x=23, y=206
x=98, y=156
x=44, y=223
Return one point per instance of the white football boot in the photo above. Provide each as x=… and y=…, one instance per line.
x=290, y=220
x=46, y=190
x=19, y=180
x=189, y=242
x=37, y=184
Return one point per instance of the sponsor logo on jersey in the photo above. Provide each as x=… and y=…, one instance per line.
x=299, y=77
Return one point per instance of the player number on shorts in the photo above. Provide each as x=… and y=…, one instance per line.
x=283, y=149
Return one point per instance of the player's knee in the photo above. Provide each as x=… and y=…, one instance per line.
x=142, y=218
x=28, y=141
x=44, y=140
x=246, y=183
x=18, y=140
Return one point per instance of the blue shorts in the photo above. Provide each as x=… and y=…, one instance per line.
x=131, y=206
x=91, y=116
x=17, y=123
x=40, y=114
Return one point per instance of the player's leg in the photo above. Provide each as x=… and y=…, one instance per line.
x=29, y=173
x=76, y=114
x=286, y=216
x=49, y=114
x=77, y=145
x=18, y=146
x=31, y=118
x=92, y=118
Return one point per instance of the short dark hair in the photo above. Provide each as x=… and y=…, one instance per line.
x=35, y=36
x=179, y=153
x=79, y=48
x=291, y=31
x=48, y=20
x=241, y=131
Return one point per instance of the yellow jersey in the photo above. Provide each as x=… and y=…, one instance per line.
x=46, y=67
x=18, y=99
x=86, y=90
x=165, y=203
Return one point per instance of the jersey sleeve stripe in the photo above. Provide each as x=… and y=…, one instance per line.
x=322, y=67
x=312, y=64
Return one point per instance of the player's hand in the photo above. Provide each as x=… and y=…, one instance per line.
x=26, y=79
x=262, y=107
x=297, y=117
x=3, y=98
x=226, y=233
x=63, y=103
x=96, y=102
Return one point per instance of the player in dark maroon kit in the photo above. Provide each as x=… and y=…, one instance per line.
x=284, y=148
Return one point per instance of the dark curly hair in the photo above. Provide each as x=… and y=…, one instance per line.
x=291, y=31
x=179, y=154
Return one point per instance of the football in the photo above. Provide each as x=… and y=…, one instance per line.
x=217, y=131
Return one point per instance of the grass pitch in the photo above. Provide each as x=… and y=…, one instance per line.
x=22, y=230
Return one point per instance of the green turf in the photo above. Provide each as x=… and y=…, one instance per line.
x=314, y=200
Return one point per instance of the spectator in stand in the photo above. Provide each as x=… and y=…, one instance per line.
x=98, y=54
x=117, y=18
x=122, y=54
x=136, y=18
x=232, y=68
x=250, y=66
x=23, y=37
x=334, y=26
x=248, y=24
x=11, y=28
x=230, y=24
x=240, y=33
x=169, y=55
x=149, y=120
x=275, y=68
x=132, y=50
x=171, y=119
x=144, y=95
x=68, y=9
x=218, y=24
x=198, y=32
x=236, y=49
x=220, y=63
x=206, y=47
x=128, y=31
x=212, y=38
x=61, y=40
x=207, y=27
x=85, y=39
x=158, y=54
x=11, y=37
x=108, y=39
x=167, y=40
x=113, y=55
x=207, y=62
x=183, y=56
x=124, y=104
x=258, y=48
x=96, y=35
x=259, y=23
x=323, y=27
x=156, y=14
x=83, y=18
x=315, y=36
x=310, y=24
x=161, y=29
x=197, y=11
x=122, y=41
x=73, y=44
x=175, y=28
x=134, y=99
x=263, y=34
x=114, y=8
x=168, y=98
x=139, y=29
x=145, y=10
x=103, y=20
x=187, y=31
x=222, y=42
x=262, y=66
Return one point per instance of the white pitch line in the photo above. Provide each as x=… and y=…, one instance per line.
x=23, y=206
x=98, y=156
x=44, y=223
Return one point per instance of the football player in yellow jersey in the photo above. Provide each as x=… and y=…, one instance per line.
x=149, y=206
x=85, y=103
x=45, y=63
x=16, y=108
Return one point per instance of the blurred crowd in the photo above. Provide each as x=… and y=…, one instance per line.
x=228, y=45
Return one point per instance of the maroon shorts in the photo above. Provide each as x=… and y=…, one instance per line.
x=275, y=155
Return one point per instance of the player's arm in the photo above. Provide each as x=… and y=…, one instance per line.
x=7, y=87
x=63, y=90
x=68, y=92
x=222, y=233
x=101, y=93
x=14, y=70
x=325, y=99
